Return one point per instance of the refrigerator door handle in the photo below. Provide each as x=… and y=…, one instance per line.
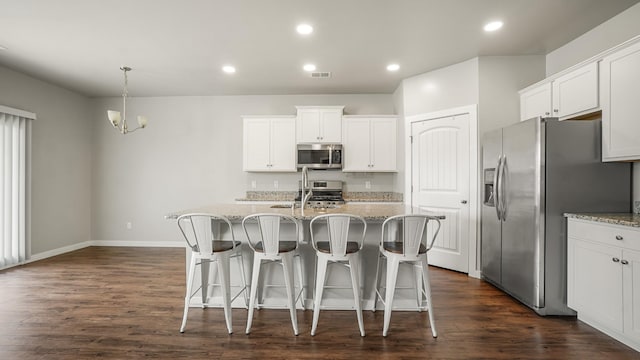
x=503, y=195
x=496, y=188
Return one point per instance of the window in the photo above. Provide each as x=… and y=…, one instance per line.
x=15, y=138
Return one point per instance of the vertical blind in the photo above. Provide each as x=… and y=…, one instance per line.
x=15, y=135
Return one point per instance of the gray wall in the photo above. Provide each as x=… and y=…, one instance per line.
x=190, y=155
x=608, y=34
x=61, y=159
x=445, y=88
x=500, y=78
x=614, y=31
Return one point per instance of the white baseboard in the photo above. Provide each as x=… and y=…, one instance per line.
x=127, y=243
x=58, y=251
x=84, y=244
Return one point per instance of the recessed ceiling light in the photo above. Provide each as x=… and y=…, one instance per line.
x=304, y=29
x=493, y=26
x=229, y=69
x=309, y=67
x=393, y=67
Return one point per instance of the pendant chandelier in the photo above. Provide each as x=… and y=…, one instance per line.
x=120, y=122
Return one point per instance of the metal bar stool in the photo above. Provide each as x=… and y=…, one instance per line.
x=202, y=234
x=403, y=241
x=336, y=248
x=264, y=238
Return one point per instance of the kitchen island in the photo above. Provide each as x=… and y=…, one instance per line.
x=337, y=276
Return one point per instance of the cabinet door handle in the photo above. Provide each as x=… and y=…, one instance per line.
x=619, y=237
x=624, y=262
x=546, y=113
x=463, y=201
x=555, y=110
x=615, y=259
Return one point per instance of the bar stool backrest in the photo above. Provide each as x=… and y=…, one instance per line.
x=268, y=231
x=200, y=230
x=337, y=231
x=410, y=230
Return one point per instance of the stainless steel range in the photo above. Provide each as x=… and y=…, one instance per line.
x=325, y=193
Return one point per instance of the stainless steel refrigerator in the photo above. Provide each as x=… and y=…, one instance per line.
x=533, y=172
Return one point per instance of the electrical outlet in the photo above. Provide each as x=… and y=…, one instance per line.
x=253, y=184
x=275, y=184
x=129, y=225
x=367, y=184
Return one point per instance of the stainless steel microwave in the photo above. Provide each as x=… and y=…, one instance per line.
x=320, y=156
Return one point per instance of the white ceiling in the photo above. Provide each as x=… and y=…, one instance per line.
x=178, y=47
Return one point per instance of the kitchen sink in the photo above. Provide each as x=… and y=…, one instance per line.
x=281, y=206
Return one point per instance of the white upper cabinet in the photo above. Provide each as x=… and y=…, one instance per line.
x=620, y=78
x=536, y=102
x=369, y=144
x=269, y=144
x=570, y=95
x=576, y=93
x=319, y=124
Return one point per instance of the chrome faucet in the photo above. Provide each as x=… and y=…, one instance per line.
x=306, y=189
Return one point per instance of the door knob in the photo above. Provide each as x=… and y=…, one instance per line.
x=463, y=201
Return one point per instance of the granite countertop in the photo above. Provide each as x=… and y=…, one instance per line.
x=349, y=196
x=625, y=219
x=370, y=212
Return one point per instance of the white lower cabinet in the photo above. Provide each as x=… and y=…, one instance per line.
x=603, y=278
x=269, y=144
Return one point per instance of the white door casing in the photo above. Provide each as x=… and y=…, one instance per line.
x=442, y=169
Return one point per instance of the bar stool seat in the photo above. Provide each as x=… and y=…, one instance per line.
x=283, y=246
x=337, y=250
x=325, y=247
x=397, y=247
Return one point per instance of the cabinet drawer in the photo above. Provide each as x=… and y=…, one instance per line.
x=608, y=234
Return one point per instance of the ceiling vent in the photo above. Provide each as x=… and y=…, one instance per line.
x=321, y=74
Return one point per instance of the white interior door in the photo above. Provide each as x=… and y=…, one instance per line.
x=440, y=183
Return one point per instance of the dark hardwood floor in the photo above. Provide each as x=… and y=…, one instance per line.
x=127, y=303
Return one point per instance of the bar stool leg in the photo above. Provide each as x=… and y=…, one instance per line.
x=205, y=270
x=355, y=283
x=257, y=260
x=317, y=301
x=303, y=293
x=376, y=284
x=392, y=276
x=187, y=297
x=223, y=271
x=427, y=288
x=287, y=264
x=243, y=276
x=417, y=277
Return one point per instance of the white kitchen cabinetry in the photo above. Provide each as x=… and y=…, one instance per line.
x=536, y=102
x=603, y=278
x=576, y=93
x=269, y=144
x=570, y=95
x=319, y=124
x=369, y=143
x=620, y=78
